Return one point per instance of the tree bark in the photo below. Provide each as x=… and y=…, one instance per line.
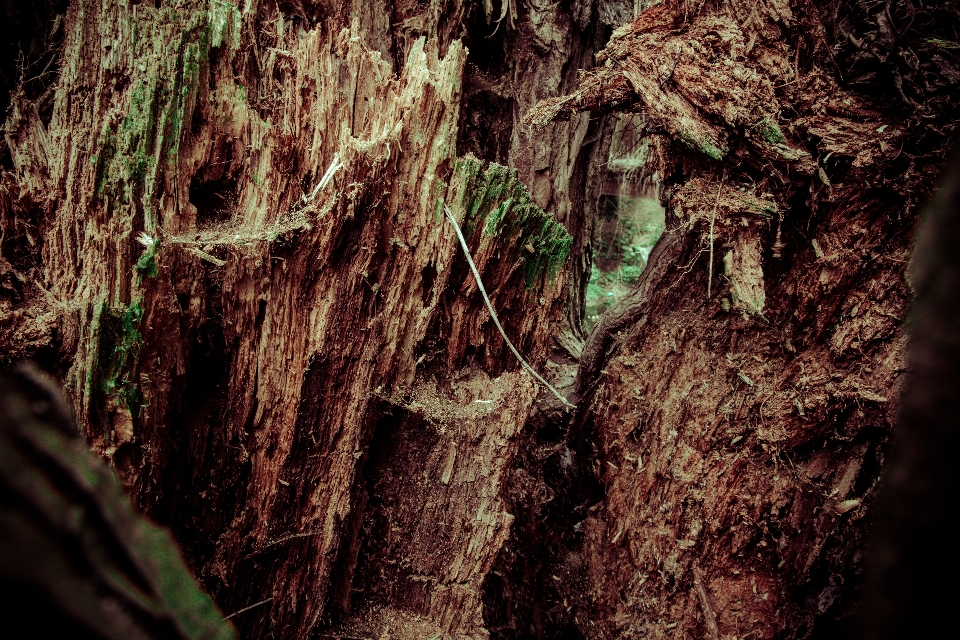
x=264, y=321
x=737, y=406
x=222, y=225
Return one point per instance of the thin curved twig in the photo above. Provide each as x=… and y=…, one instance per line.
x=493, y=314
x=245, y=609
x=713, y=219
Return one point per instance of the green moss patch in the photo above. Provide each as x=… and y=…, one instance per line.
x=770, y=132
x=704, y=145
x=171, y=48
x=146, y=265
x=496, y=201
x=119, y=349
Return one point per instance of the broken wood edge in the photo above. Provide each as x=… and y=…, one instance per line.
x=493, y=314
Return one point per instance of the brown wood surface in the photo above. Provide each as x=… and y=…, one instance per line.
x=299, y=377
x=736, y=414
x=236, y=369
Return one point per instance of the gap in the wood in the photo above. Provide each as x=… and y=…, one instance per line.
x=215, y=200
x=630, y=222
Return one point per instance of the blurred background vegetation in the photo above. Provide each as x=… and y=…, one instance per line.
x=631, y=220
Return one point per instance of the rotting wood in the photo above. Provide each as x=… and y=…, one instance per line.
x=420, y=554
x=493, y=313
x=289, y=169
x=750, y=409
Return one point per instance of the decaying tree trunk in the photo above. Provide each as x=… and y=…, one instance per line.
x=224, y=223
x=737, y=406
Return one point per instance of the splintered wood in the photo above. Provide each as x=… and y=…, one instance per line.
x=293, y=279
